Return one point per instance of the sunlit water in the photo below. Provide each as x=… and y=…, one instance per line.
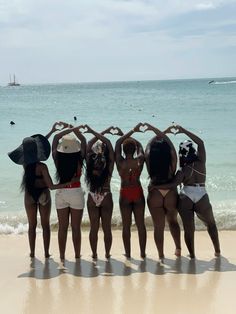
x=209, y=110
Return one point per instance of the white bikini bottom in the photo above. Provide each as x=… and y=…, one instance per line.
x=195, y=193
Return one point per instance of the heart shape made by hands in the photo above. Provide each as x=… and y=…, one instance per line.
x=143, y=128
x=174, y=130
x=114, y=131
x=83, y=129
x=59, y=126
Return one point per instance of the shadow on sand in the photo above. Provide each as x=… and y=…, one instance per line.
x=113, y=267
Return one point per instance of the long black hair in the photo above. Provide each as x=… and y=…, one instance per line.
x=94, y=182
x=28, y=181
x=67, y=165
x=160, y=161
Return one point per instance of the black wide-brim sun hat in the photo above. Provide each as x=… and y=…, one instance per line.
x=33, y=149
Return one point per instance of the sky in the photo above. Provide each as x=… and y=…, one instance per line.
x=56, y=41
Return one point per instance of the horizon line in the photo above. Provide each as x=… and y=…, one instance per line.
x=123, y=81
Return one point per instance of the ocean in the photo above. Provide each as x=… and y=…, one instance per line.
x=209, y=110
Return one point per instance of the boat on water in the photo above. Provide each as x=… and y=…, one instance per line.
x=14, y=82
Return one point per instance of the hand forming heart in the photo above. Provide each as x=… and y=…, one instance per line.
x=143, y=128
x=174, y=130
x=59, y=126
x=83, y=129
x=114, y=131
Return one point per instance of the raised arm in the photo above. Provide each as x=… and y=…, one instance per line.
x=118, y=149
x=162, y=135
x=113, y=130
x=53, y=129
x=200, y=144
x=94, y=139
x=98, y=136
x=82, y=139
x=105, y=141
x=140, y=151
x=67, y=129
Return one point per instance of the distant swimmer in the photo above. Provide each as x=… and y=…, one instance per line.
x=210, y=82
x=75, y=118
x=12, y=123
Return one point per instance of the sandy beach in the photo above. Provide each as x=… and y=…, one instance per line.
x=179, y=285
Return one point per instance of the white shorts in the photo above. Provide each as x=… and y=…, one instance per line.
x=73, y=198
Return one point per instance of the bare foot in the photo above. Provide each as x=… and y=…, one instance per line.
x=94, y=256
x=108, y=256
x=31, y=255
x=217, y=254
x=62, y=264
x=192, y=256
x=178, y=252
x=143, y=256
x=62, y=259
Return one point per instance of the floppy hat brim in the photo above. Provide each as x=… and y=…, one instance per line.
x=43, y=151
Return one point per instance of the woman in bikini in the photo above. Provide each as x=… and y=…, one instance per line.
x=68, y=151
x=100, y=164
x=161, y=163
x=36, y=184
x=131, y=192
x=193, y=195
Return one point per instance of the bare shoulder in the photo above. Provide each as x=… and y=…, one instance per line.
x=41, y=166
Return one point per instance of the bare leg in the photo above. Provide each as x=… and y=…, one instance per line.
x=106, y=215
x=63, y=222
x=187, y=215
x=31, y=211
x=155, y=204
x=138, y=209
x=204, y=212
x=94, y=217
x=126, y=215
x=76, y=218
x=45, y=222
x=170, y=204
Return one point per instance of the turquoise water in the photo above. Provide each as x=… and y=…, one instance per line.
x=209, y=110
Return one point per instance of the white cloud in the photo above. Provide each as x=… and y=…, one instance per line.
x=142, y=36
x=205, y=6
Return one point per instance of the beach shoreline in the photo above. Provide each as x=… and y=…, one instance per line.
x=178, y=285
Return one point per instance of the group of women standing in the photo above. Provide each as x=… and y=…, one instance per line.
x=72, y=153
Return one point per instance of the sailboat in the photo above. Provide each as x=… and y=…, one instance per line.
x=13, y=83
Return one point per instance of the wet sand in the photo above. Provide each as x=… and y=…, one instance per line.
x=178, y=285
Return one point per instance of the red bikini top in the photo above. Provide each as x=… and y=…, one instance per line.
x=132, y=175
